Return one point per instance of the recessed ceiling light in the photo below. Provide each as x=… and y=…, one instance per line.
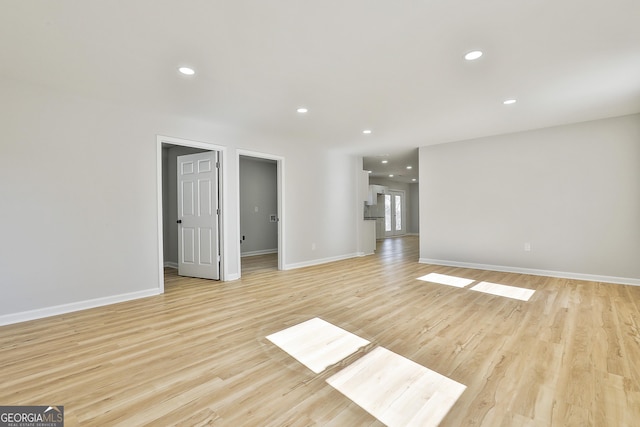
x=384, y=162
x=409, y=167
x=474, y=54
x=413, y=179
x=509, y=102
x=391, y=176
x=187, y=71
x=302, y=110
x=369, y=171
x=366, y=131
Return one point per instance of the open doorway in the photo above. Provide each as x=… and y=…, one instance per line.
x=260, y=211
x=169, y=150
x=396, y=206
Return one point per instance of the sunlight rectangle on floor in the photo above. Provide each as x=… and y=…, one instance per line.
x=443, y=279
x=396, y=390
x=317, y=344
x=522, y=294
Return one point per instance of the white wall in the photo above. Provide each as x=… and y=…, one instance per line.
x=258, y=201
x=78, y=187
x=413, y=222
x=572, y=192
x=322, y=192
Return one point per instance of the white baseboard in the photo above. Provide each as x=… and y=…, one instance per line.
x=260, y=252
x=225, y=278
x=319, y=261
x=40, y=313
x=534, y=272
x=230, y=277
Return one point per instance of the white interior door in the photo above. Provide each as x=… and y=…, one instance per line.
x=394, y=213
x=198, y=211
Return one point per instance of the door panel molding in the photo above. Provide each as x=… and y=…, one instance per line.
x=197, y=215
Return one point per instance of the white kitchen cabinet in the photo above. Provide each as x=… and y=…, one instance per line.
x=374, y=190
x=369, y=237
x=364, y=186
x=380, y=228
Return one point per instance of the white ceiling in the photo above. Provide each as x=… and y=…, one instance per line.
x=395, y=67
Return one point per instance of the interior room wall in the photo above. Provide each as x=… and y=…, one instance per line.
x=570, y=192
x=413, y=225
x=78, y=184
x=258, y=201
x=320, y=185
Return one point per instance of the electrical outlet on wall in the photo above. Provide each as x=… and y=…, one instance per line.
x=313, y=246
x=527, y=247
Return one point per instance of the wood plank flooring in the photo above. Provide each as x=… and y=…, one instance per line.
x=198, y=355
x=259, y=263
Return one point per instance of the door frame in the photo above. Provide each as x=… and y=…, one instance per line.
x=168, y=140
x=280, y=190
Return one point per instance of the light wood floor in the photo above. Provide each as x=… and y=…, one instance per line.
x=259, y=263
x=198, y=355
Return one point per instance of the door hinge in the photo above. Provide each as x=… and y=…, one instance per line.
x=217, y=211
x=217, y=165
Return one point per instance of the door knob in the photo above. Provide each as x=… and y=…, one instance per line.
x=179, y=221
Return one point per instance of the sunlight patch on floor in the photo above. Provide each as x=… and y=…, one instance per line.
x=317, y=344
x=396, y=390
x=443, y=279
x=522, y=294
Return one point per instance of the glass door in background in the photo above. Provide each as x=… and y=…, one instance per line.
x=394, y=213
